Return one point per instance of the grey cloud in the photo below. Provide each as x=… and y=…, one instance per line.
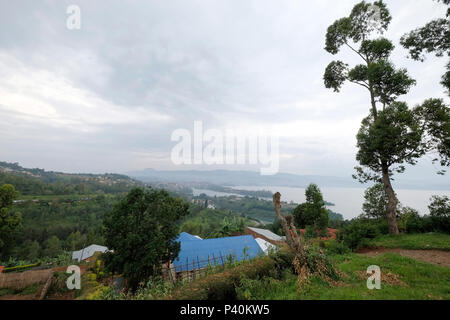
x=224, y=62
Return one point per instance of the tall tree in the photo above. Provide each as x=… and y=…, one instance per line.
x=10, y=221
x=312, y=213
x=141, y=231
x=392, y=135
x=433, y=37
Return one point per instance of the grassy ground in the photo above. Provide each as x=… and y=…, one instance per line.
x=402, y=279
x=424, y=241
x=33, y=289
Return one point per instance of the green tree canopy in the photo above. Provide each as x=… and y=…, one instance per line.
x=312, y=213
x=375, y=201
x=392, y=135
x=440, y=207
x=434, y=37
x=10, y=221
x=141, y=230
x=52, y=247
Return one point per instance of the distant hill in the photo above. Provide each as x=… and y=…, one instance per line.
x=253, y=178
x=241, y=178
x=40, y=182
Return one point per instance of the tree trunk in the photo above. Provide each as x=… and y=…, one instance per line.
x=288, y=229
x=392, y=201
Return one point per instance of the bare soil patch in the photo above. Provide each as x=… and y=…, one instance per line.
x=436, y=257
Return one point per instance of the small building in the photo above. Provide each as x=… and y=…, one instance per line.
x=197, y=254
x=265, y=246
x=266, y=235
x=184, y=236
x=88, y=252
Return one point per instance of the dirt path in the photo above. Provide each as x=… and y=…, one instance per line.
x=436, y=257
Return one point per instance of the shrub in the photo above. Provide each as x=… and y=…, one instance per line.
x=59, y=283
x=440, y=213
x=337, y=247
x=355, y=234
x=310, y=232
x=410, y=221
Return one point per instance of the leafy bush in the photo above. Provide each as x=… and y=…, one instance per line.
x=310, y=232
x=59, y=283
x=355, y=234
x=258, y=289
x=337, y=247
x=440, y=213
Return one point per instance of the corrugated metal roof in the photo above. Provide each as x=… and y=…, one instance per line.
x=199, y=251
x=265, y=245
x=88, y=252
x=267, y=233
x=184, y=236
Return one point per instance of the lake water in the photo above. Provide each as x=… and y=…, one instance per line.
x=348, y=201
x=211, y=193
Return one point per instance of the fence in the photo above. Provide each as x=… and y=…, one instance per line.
x=21, y=280
x=196, y=267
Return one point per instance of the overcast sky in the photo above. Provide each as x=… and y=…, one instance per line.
x=107, y=97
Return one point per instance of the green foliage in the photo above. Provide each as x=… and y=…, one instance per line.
x=409, y=221
x=141, y=230
x=434, y=117
x=356, y=234
x=75, y=241
x=41, y=182
x=208, y=223
x=264, y=288
x=155, y=288
x=416, y=241
x=30, y=250
x=388, y=136
x=10, y=221
x=222, y=286
x=395, y=137
x=416, y=280
x=375, y=202
x=310, y=232
x=52, y=247
x=77, y=223
x=337, y=247
x=440, y=213
x=231, y=226
x=387, y=82
x=276, y=227
x=250, y=207
x=336, y=73
x=433, y=37
x=312, y=213
x=59, y=283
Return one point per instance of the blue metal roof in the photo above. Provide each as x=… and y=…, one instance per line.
x=184, y=236
x=199, y=252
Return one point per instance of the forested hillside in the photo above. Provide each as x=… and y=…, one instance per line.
x=41, y=182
